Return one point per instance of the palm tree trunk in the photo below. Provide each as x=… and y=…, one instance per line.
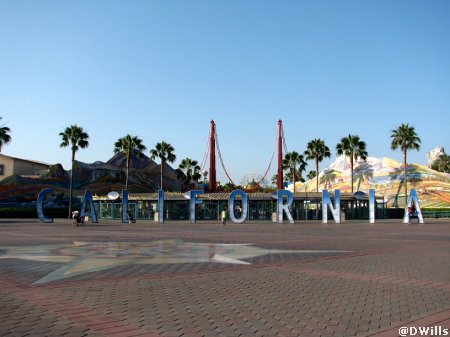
x=351, y=170
x=71, y=185
x=162, y=170
x=317, y=175
x=351, y=173
x=293, y=177
x=128, y=171
x=404, y=178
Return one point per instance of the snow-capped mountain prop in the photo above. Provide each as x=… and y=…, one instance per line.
x=385, y=176
x=434, y=155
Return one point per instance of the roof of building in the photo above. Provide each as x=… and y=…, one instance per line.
x=226, y=196
x=27, y=160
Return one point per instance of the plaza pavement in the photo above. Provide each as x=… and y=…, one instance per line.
x=350, y=279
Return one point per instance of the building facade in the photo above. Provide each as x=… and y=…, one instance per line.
x=11, y=165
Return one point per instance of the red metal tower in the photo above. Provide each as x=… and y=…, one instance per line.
x=280, y=155
x=212, y=158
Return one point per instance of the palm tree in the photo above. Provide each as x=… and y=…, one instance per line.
x=317, y=150
x=274, y=180
x=188, y=171
x=311, y=175
x=290, y=161
x=405, y=138
x=5, y=138
x=77, y=138
x=129, y=146
x=442, y=164
x=164, y=151
x=353, y=148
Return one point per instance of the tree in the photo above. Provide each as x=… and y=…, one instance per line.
x=129, y=146
x=164, y=151
x=77, y=138
x=353, y=148
x=317, y=150
x=274, y=180
x=5, y=138
x=311, y=175
x=290, y=161
x=442, y=164
x=298, y=177
x=405, y=138
x=188, y=171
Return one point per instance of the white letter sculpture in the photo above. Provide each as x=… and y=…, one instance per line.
x=413, y=197
x=279, y=195
x=244, y=206
x=335, y=210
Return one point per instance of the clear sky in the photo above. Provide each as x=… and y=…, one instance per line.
x=163, y=69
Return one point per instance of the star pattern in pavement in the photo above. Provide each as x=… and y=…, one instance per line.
x=86, y=257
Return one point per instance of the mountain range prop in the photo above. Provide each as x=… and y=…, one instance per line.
x=384, y=175
x=99, y=177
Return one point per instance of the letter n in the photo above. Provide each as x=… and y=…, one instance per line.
x=335, y=210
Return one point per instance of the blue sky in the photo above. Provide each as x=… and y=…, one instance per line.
x=162, y=70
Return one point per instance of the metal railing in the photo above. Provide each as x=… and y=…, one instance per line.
x=436, y=214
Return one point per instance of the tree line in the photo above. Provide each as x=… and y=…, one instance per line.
x=403, y=137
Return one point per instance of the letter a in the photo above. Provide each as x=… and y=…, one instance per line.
x=413, y=198
x=88, y=199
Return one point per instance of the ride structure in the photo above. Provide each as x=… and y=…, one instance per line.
x=213, y=144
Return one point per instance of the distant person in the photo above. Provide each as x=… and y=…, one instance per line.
x=77, y=220
x=130, y=217
x=410, y=214
x=224, y=217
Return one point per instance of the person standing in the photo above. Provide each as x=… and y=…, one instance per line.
x=410, y=215
x=224, y=217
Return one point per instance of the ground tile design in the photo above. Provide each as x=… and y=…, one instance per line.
x=86, y=257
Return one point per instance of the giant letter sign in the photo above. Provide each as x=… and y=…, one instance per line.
x=160, y=206
x=244, y=206
x=192, y=202
x=124, y=206
x=279, y=195
x=88, y=199
x=413, y=197
x=326, y=201
x=40, y=203
x=371, y=206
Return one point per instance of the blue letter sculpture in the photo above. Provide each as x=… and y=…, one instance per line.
x=244, y=206
x=279, y=195
x=40, y=203
x=88, y=199
x=124, y=206
x=192, y=202
x=160, y=206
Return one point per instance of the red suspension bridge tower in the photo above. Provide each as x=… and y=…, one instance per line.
x=213, y=143
x=212, y=158
x=280, y=155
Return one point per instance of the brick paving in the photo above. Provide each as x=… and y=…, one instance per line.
x=367, y=280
